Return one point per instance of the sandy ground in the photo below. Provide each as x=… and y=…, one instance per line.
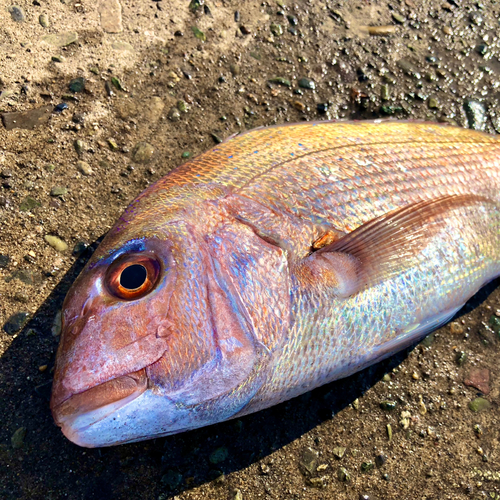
x=162, y=81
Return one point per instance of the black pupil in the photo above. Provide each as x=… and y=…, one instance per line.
x=133, y=277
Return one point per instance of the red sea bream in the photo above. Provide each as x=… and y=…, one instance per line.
x=280, y=260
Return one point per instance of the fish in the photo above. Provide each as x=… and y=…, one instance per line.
x=278, y=261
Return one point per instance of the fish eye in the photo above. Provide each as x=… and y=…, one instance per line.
x=133, y=277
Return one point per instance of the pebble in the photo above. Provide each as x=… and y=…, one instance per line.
x=479, y=404
x=399, y=18
x=16, y=322
x=110, y=12
x=61, y=39
x=83, y=167
x=143, y=152
x=299, y=106
x=308, y=461
x=28, y=204
x=198, y=33
x=388, y=405
x=236, y=494
x=57, y=324
x=122, y=46
x=479, y=378
x=56, y=243
x=494, y=323
x=456, y=328
x=174, y=115
x=112, y=145
x=17, y=439
x=276, y=29
x=4, y=261
x=60, y=107
x=17, y=13
x=43, y=19
x=79, y=146
x=380, y=30
x=433, y=103
x=58, y=191
x=367, y=466
x=338, y=452
x=27, y=119
x=77, y=84
x=171, y=479
x=380, y=460
x=322, y=108
x=476, y=18
x=461, y=358
x=281, y=81
x=475, y=111
x=343, y=475
x=219, y=455
x=306, y=83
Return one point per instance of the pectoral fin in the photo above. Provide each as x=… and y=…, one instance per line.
x=382, y=248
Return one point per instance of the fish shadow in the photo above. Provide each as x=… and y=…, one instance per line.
x=49, y=466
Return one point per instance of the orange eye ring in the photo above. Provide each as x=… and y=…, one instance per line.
x=133, y=277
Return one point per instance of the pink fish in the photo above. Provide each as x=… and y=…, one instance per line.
x=282, y=259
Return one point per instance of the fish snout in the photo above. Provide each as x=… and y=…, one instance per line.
x=76, y=413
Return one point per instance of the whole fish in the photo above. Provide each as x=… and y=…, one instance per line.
x=280, y=260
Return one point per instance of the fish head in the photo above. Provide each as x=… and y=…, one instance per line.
x=154, y=340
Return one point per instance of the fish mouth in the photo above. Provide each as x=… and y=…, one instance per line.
x=80, y=411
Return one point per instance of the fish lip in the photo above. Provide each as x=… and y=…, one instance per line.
x=79, y=411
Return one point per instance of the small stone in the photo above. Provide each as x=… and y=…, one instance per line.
x=28, y=204
x=461, y=358
x=276, y=29
x=171, y=479
x=317, y=482
x=338, y=452
x=58, y=191
x=79, y=146
x=299, y=106
x=308, y=461
x=367, y=466
x=385, y=92
x=182, y=106
x=433, y=103
x=380, y=460
x=292, y=20
x=17, y=13
x=479, y=378
x=17, y=439
x=4, y=261
x=122, y=46
x=60, y=107
x=57, y=59
x=322, y=108
x=236, y=494
x=83, y=167
x=381, y=30
x=43, y=19
x=56, y=243
x=219, y=455
x=16, y=322
x=42, y=368
x=174, y=115
x=389, y=431
x=479, y=404
x=306, y=83
x=475, y=112
x=27, y=119
x=281, y=81
x=61, y=39
x=447, y=30
x=388, y=405
x=494, y=323
x=77, y=84
x=57, y=324
x=476, y=18
x=186, y=155
x=398, y=17
x=110, y=12
x=143, y=152
x=198, y=33
x=343, y=475
x=112, y=144
x=456, y=328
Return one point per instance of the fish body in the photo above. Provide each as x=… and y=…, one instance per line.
x=280, y=260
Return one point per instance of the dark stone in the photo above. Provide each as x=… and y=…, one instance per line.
x=60, y=107
x=17, y=13
x=4, y=261
x=77, y=84
x=16, y=322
